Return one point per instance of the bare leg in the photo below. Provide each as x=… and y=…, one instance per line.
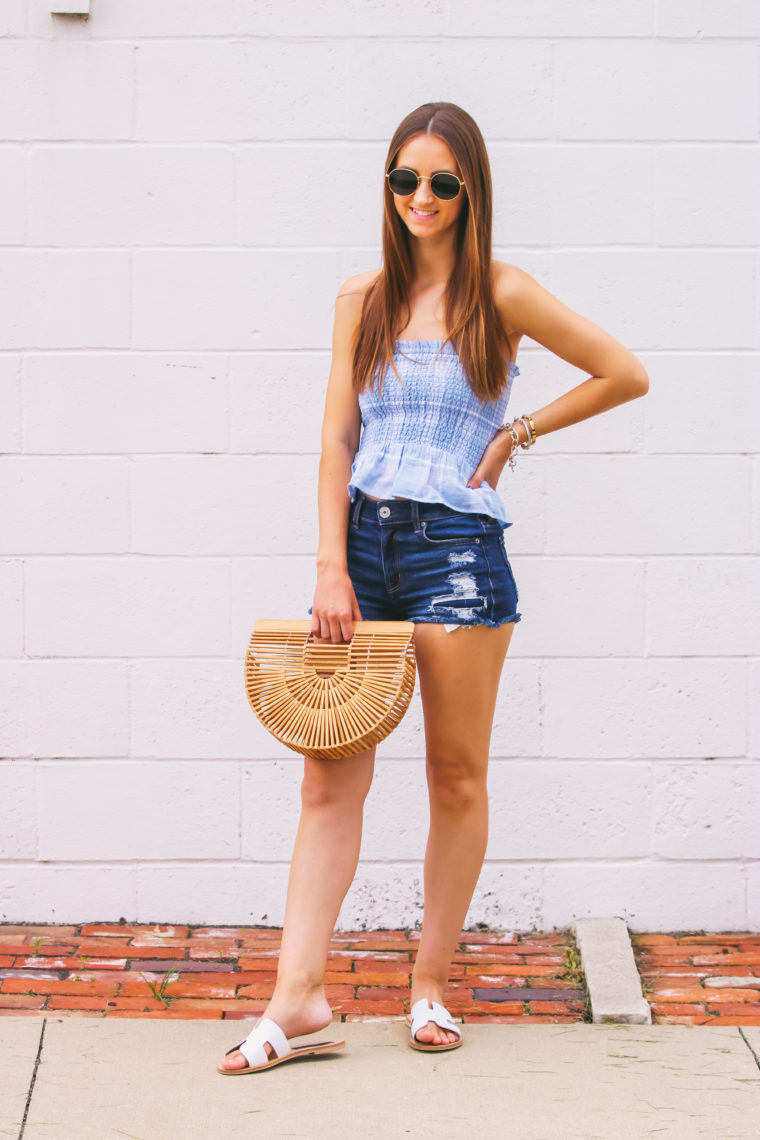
x=459, y=680
x=325, y=856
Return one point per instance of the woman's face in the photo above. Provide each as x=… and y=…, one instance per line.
x=423, y=213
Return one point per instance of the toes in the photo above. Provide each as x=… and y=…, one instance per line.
x=432, y=1034
x=238, y=1060
x=235, y=1060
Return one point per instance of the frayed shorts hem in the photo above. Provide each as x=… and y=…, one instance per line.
x=426, y=620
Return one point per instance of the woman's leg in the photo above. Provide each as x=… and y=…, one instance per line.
x=324, y=862
x=459, y=679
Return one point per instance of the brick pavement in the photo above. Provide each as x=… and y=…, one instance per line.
x=700, y=979
x=116, y=970
x=119, y=970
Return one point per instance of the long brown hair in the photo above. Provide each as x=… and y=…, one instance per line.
x=475, y=329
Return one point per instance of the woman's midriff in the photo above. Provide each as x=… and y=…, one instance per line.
x=376, y=500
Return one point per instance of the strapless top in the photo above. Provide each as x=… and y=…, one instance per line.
x=424, y=438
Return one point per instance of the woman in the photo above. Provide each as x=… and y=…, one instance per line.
x=420, y=537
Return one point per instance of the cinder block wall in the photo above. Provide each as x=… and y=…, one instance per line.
x=184, y=186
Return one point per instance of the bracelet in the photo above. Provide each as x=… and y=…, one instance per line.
x=530, y=439
x=531, y=430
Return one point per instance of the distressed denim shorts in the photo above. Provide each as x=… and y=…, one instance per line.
x=426, y=562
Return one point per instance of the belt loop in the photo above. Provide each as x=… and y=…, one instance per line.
x=416, y=515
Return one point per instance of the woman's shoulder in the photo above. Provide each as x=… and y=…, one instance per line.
x=358, y=284
x=508, y=283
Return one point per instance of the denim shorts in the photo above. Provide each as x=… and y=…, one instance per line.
x=426, y=562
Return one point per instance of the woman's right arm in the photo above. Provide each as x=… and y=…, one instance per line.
x=335, y=607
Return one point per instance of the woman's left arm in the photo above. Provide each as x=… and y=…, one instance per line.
x=616, y=374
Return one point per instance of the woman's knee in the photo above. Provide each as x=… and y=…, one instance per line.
x=457, y=783
x=337, y=783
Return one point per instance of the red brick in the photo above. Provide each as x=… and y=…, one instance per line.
x=457, y=1007
x=378, y=945
x=9, y=930
x=395, y=981
x=378, y=993
x=180, y=988
x=692, y=993
x=184, y=1003
x=722, y=938
x=70, y=1001
x=337, y=963
x=652, y=939
x=483, y=969
x=256, y=990
x=554, y=1006
x=6, y=962
x=232, y=933
x=383, y=966
x=57, y=986
x=21, y=1001
x=23, y=950
x=728, y=1008
x=218, y=953
x=366, y=1010
x=269, y=964
x=69, y=963
x=682, y=1009
x=117, y=930
x=334, y=992
x=732, y=959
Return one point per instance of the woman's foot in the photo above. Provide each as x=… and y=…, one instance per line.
x=432, y=1034
x=294, y=1017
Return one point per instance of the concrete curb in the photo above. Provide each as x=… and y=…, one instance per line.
x=613, y=981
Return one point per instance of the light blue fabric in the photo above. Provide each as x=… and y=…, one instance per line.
x=424, y=440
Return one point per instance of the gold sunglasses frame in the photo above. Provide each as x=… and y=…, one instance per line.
x=424, y=178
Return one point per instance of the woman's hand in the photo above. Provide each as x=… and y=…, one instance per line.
x=335, y=607
x=493, y=461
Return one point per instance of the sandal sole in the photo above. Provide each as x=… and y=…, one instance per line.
x=298, y=1051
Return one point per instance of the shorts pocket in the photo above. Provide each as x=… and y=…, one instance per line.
x=451, y=529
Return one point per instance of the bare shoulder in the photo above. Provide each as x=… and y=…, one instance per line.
x=357, y=285
x=509, y=286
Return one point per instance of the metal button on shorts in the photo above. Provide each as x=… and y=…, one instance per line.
x=426, y=562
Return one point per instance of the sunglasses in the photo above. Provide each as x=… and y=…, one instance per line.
x=404, y=182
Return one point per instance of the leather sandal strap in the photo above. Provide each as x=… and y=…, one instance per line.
x=264, y=1032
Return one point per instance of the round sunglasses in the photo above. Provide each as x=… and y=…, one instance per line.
x=404, y=182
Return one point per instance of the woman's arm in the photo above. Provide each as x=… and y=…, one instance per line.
x=334, y=606
x=617, y=375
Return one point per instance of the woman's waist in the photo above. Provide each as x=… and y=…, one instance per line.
x=455, y=452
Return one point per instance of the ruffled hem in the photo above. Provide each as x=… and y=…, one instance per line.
x=426, y=475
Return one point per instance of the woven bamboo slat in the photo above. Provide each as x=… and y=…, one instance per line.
x=330, y=700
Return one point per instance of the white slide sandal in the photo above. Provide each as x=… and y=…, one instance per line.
x=268, y=1032
x=424, y=1011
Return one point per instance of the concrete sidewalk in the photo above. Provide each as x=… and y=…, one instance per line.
x=91, y=1079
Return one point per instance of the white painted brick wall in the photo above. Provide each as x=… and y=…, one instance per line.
x=183, y=187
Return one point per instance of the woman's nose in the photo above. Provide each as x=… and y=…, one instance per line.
x=423, y=196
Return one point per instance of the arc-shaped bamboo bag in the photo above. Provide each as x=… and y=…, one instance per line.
x=330, y=700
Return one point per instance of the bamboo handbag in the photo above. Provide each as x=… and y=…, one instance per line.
x=330, y=700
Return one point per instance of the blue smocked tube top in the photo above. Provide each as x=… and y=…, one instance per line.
x=424, y=440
